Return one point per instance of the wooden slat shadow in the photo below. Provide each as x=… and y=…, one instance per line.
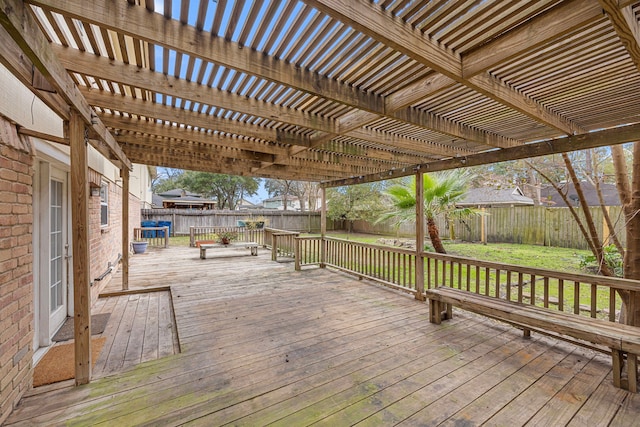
x=262, y=343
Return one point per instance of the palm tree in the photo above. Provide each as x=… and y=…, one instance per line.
x=441, y=193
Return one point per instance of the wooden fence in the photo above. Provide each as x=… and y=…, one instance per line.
x=183, y=219
x=534, y=225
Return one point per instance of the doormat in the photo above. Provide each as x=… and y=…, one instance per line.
x=98, y=323
x=58, y=364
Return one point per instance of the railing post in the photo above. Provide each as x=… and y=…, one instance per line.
x=192, y=237
x=274, y=247
x=419, y=237
x=166, y=237
x=296, y=253
x=323, y=228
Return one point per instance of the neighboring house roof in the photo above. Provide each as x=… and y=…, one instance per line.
x=156, y=200
x=188, y=199
x=550, y=197
x=177, y=192
x=192, y=199
x=490, y=196
x=290, y=198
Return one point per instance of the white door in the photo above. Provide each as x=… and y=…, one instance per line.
x=51, y=250
x=59, y=246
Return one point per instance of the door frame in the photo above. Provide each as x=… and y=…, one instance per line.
x=50, y=163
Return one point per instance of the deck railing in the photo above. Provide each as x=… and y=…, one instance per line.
x=582, y=294
x=209, y=234
x=393, y=267
x=282, y=243
x=157, y=237
x=586, y=294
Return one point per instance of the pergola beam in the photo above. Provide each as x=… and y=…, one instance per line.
x=241, y=168
x=146, y=129
x=371, y=20
x=139, y=23
x=153, y=110
x=626, y=26
x=12, y=57
x=552, y=24
x=99, y=67
x=619, y=135
x=189, y=146
x=560, y=20
x=17, y=20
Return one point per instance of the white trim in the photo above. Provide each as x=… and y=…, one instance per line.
x=47, y=151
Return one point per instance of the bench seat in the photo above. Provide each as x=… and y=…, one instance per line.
x=253, y=246
x=622, y=340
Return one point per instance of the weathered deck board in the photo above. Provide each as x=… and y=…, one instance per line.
x=132, y=332
x=262, y=344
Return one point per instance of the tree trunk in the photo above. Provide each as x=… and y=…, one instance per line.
x=593, y=233
x=434, y=235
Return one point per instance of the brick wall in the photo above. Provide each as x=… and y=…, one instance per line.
x=16, y=272
x=105, y=241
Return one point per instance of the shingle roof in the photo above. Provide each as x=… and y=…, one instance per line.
x=495, y=196
x=550, y=197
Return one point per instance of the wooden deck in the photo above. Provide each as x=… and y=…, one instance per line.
x=264, y=344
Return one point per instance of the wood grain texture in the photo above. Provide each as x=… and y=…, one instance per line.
x=81, y=263
x=263, y=343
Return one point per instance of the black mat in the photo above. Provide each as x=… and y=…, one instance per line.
x=98, y=323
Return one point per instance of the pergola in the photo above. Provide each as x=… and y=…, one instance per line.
x=338, y=92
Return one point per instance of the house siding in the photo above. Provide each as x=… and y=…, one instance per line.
x=16, y=274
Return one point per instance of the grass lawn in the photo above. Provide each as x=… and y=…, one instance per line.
x=551, y=258
x=560, y=259
x=179, y=241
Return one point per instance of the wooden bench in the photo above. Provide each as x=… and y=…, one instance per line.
x=253, y=246
x=623, y=340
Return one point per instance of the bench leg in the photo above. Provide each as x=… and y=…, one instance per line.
x=632, y=372
x=449, y=311
x=203, y=253
x=435, y=314
x=526, y=333
x=616, y=356
x=254, y=251
x=631, y=382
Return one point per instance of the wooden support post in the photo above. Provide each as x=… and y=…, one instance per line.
x=297, y=252
x=419, y=237
x=124, y=174
x=323, y=228
x=81, y=263
x=274, y=247
x=483, y=226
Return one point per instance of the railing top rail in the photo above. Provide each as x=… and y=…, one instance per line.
x=280, y=232
x=373, y=246
x=613, y=282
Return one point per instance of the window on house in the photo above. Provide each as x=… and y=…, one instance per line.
x=104, y=204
